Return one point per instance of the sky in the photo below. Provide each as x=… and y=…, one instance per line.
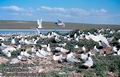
x=76, y=11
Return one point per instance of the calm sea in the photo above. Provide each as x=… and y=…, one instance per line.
x=31, y=31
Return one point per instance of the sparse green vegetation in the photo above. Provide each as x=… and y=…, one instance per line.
x=90, y=30
x=87, y=43
x=116, y=37
x=15, y=53
x=101, y=66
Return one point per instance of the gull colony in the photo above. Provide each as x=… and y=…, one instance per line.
x=55, y=46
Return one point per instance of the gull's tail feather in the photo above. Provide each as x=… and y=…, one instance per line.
x=39, y=22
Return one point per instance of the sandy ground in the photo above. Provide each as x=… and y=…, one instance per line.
x=3, y=60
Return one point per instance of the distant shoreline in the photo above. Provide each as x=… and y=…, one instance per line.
x=26, y=25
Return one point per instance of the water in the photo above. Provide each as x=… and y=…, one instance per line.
x=31, y=31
